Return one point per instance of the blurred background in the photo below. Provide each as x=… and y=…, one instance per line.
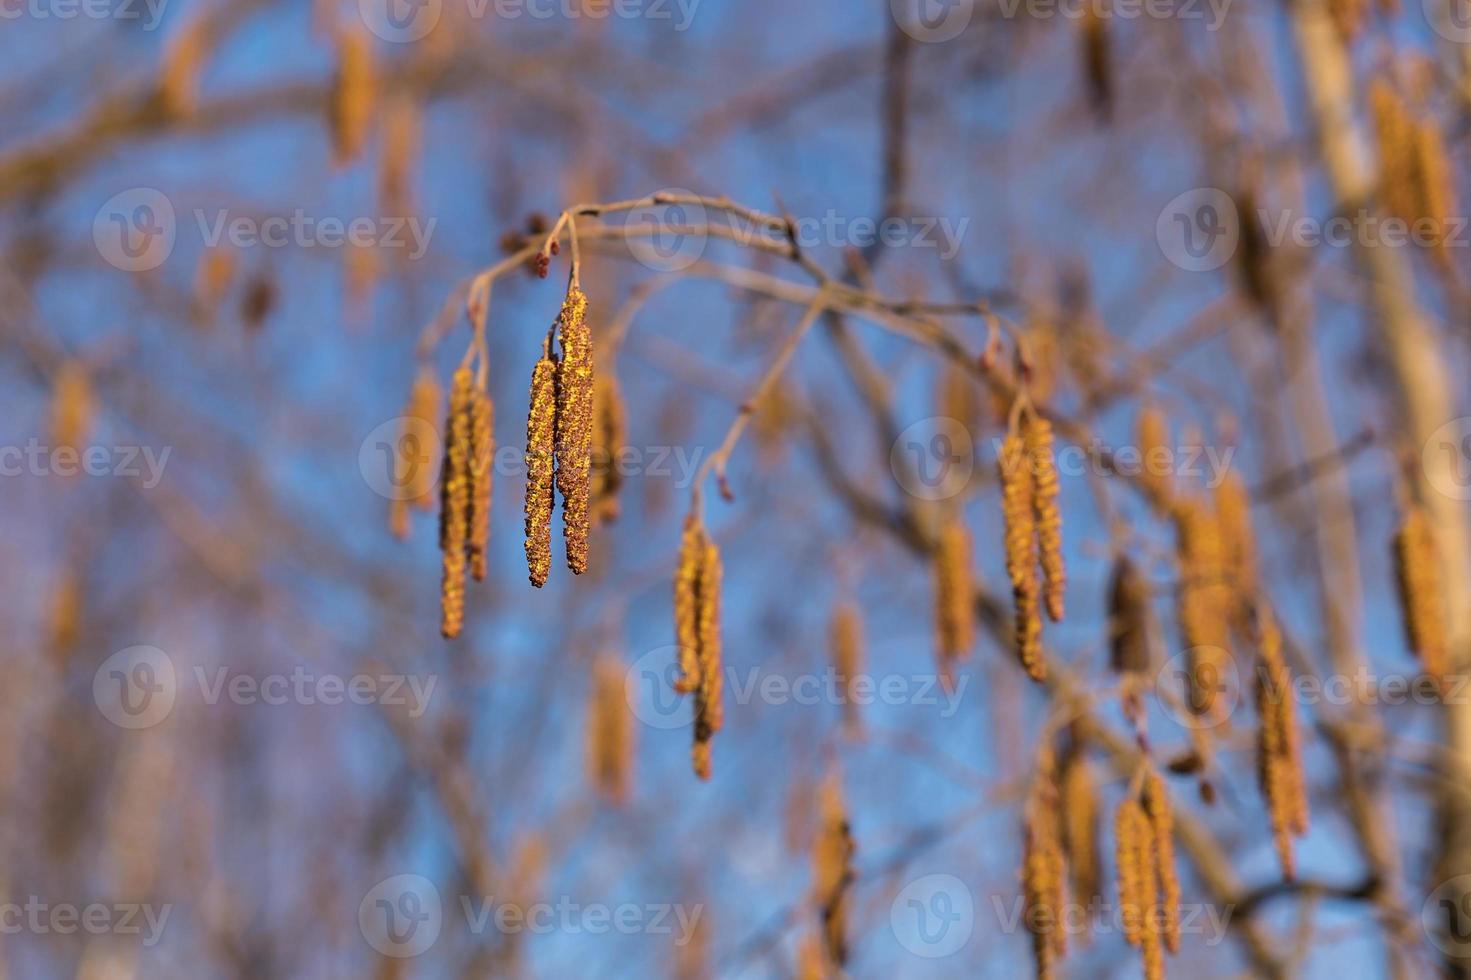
x=234, y=235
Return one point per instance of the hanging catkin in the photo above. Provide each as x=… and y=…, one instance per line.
x=482, y=451
x=608, y=438
x=541, y=423
x=1128, y=618
x=697, y=632
x=1021, y=552
x=1422, y=600
x=1204, y=606
x=575, y=427
x=610, y=732
x=354, y=94
x=954, y=594
x=1279, y=753
x=846, y=637
x=832, y=871
x=1233, y=511
x=454, y=503
x=1152, y=433
x=1162, y=826
x=422, y=414
x=1037, y=433
x=73, y=406
x=1078, y=804
x=1044, y=876
x=1138, y=874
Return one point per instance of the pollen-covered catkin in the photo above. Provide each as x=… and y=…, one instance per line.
x=422, y=414
x=1422, y=600
x=1162, y=825
x=832, y=871
x=354, y=94
x=1204, y=605
x=608, y=438
x=1279, y=753
x=575, y=427
x=1021, y=552
x=610, y=732
x=1138, y=874
x=1037, y=433
x=454, y=502
x=540, y=435
x=709, y=706
x=686, y=605
x=1233, y=511
x=1044, y=877
x=1078, y=802
x=1152, y=433
x=845, y=633
x=1128, y=618
x=73, y=405
x=954, y=593
x=482, y=451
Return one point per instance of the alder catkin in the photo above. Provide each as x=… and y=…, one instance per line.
x=541, y=423
x=845, y=633
x=422, y=413
x=1044, y=875
x=1279, y=753
x=1021, y=552
x=1129, y=618
x=1162, y=825
x=73, y=406
x=608, y=439
x=482, y=452
x=686, y=605
x=1435, y=183
x=610, y=732
x=1152, y=433
x=354, y=93
x=832, y=871
x=1078, y=803
x=1422, y=599
x=1130, y=828
x=954, y=595
x=1037, y=433
x=1204, y=606
x=709, y=704
x=454, y=503
x=574, y=430
x=1233, y=511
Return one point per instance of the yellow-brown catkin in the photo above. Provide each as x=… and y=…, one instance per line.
x=1394, y=139
x=541, y=423
x=1152, y=433
x=482, y=452
x=182, y=61
x=454, y=502
x=401, y=141
x=954, y=595
x=423, y=413
x=686, y=605
x=845, y=632
x=1233, y=511
x=610, y=732
x=609, y=433
x=1021, y=552
x=575, y=427
x=1037, y=433
x=354, y=93
x=73, y=405
x=1279, y=752
x=1204, y=605
x=1044, y=876
x=1128, y=618
x=1422, y=600
x=832, y=871
x=1436, y=184
x=709, y=704
x=1162, y=824
x=1078, y=803
x=1138, y=874
x=212, y=280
